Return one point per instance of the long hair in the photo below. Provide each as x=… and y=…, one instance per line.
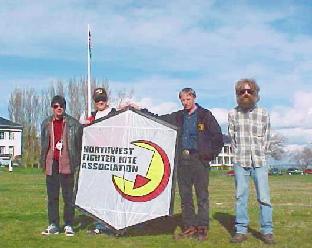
x=252, y=84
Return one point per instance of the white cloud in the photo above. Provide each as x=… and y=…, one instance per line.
x=299, y=115
x=165, y=26
x=221, y=115
x=300, y=136
x=161, y=36
x=295, y=122
x=171, y=44
x=293, y=148
x=161, y=108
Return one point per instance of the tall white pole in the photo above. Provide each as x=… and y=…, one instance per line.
x=89, y=71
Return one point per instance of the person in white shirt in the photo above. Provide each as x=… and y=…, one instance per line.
x=102, y=109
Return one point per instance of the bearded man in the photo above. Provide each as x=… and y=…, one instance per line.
x=249, y=130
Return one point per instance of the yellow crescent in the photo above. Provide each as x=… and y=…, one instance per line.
x=156, y=178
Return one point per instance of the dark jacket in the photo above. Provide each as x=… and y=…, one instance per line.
x=210, y=138
x=73, y=138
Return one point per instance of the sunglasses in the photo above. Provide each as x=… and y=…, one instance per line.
x=249, y=92
x=55, y=106
x=100, y=102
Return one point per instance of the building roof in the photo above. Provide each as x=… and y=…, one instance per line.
x=7, y=124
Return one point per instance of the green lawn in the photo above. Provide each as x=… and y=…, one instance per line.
x=23, y=216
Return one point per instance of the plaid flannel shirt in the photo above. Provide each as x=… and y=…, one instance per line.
x=250, y=134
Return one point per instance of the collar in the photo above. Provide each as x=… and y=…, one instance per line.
x=52, y=118
x=192, y=110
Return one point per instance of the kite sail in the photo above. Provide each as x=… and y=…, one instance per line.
x=127, y=167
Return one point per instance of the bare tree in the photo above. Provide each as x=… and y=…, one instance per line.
x=30, y=108
x=15, y=106
x=277, y=146
x=59, y=87
x=123, y=95
x=74, y=99
x=303, y=157
x=23, y=109
x=44, y=104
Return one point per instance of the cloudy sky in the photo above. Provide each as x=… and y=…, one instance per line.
x=158, y=47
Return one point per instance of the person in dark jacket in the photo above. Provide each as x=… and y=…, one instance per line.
x=61, y=137
x=199, y=141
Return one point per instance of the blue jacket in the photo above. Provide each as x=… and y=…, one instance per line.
x=210, y=138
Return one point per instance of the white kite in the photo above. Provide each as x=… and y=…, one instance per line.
x=127, y=167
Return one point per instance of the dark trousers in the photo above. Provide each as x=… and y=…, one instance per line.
x=54, y=183
x=193, y=172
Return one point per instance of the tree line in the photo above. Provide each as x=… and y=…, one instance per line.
x=300, y=157
x=30, y=106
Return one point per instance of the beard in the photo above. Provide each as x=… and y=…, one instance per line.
x=246, y=102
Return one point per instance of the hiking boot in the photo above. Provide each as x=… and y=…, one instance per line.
x=268, y=239
x=51, y=229
x=187, y=233
x=238, y=238
x=202, y=233
x=69, y=232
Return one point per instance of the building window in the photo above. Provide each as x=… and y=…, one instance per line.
x=11, y=136
x=226, y=160
x=2, y=149
x=11, y=150
x=220, y=160
x=1, y=135
x=226, y=150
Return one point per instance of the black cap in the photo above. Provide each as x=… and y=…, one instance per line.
x=100, y=94
x=60, y=100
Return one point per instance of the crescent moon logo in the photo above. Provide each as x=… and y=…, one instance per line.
x=149, y=186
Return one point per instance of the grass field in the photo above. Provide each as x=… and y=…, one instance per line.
x=23, y=216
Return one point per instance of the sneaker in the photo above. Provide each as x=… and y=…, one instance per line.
x=69, y=232
x=51, y=229
x=268, y=239
x=238, y=238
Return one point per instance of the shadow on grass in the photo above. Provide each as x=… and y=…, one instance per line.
x=158, y=226
x=83, y=222
x=228, y=222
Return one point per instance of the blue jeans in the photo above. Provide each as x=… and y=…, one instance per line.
x=261, y=181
